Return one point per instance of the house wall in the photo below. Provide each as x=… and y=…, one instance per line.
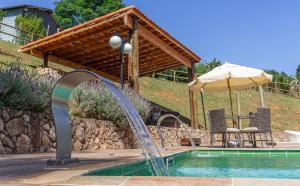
x=9, y=19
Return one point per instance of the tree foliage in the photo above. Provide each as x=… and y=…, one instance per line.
x=182, y=72
x=280, y=77
x=2, y=13
x=30, y=23
x=69, y=13
x=298, y=72
x=207, y=66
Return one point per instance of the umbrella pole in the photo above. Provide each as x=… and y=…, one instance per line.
x=203, y=108
x=238, y=108
x=231, y=106
x=261, y=96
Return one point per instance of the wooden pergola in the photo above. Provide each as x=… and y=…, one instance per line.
x=85, y=46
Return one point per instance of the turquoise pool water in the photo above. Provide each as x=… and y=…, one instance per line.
x=221, y=164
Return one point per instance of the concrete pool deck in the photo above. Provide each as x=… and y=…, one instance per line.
x=31, y=169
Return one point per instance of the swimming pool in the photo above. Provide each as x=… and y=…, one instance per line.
x=218, y=163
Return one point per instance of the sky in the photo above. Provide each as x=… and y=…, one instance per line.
x=263, y=34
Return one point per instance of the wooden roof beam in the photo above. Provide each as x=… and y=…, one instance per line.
x=101, y=33
x=152, y=25
x=144, y=65
x=89, y=45
x=156, y=41
x=97, y=57
x=74, y=65
x=146, y=34
x=61, y=38
x=110, y=64
x=105, y=61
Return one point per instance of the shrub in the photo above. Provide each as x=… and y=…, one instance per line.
x=93, y=100
x=24, y=89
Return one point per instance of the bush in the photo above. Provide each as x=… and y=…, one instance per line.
x=93, y=100
x=22, y=88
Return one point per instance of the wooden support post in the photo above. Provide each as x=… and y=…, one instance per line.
x=46, y=59
x=48, y=29
x=31, y=37
x=261, y=97
x=174, y=76
x=193, y=98
x=238, y=107
x=133, y=58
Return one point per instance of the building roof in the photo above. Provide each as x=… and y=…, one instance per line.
x=27, y=6
x=86, y=45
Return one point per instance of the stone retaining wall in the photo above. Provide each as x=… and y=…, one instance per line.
x=23, y=131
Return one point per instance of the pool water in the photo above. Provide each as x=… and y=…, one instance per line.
x=218, y=163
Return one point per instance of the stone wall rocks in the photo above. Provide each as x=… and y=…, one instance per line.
x=1, y=125
x=23, y=144
x=23, y=131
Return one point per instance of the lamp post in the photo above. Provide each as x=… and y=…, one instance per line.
x=125, y=48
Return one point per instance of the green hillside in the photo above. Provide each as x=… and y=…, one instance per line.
x=174, y=96
x=9, y=53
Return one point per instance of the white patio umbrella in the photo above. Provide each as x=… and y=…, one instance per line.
x=230, y=77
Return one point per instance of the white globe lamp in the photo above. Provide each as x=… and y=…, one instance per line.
x=127, y=48
x=115, y=41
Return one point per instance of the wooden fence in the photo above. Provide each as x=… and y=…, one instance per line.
x=22, y=37
x=287, y=89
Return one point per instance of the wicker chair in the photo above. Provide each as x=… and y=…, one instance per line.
x=218, y=125
x=251, y=130
x=264, y=124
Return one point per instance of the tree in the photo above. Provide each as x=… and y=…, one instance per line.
x=280, y=77
x=298, y=73
x=69, y=13
x=182, y=71
x=206, y=66
x=29, y=23
x=2, y=13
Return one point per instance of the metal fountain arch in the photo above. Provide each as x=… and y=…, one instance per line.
x=60, y=110
x=162, y=140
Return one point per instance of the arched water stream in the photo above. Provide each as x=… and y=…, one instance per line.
x=60, y=110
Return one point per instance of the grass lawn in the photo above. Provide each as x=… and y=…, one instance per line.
x=174, y=96
x=9, y=53
x=285, y=111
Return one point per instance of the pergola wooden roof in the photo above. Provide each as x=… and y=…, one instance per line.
x=86, y=45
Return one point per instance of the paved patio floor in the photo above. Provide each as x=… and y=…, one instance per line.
x=31, y=169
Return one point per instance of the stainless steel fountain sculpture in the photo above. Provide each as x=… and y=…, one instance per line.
x=60, y=110
x=162, y=139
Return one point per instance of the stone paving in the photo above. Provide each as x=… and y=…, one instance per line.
x=31, y=170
